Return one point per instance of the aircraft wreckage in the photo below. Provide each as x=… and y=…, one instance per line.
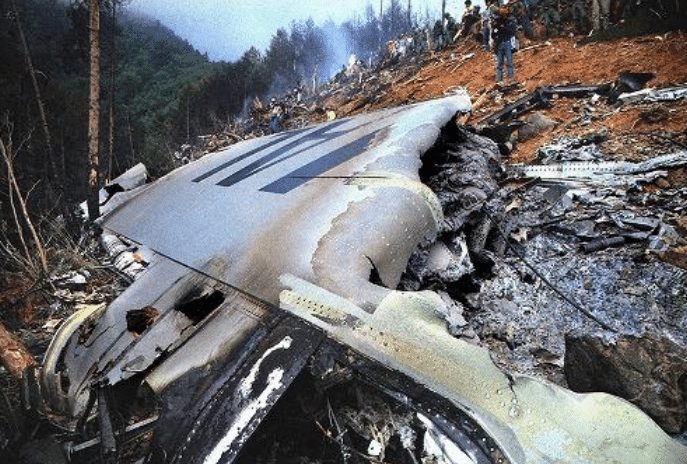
x=262, y=258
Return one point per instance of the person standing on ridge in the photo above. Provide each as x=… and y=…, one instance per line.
x=486, y=23
x=504, y=28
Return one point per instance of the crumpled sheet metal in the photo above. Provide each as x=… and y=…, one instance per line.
x=533, y=421
x=50, y=378
x=102, y=339
x=268, y=205
x=123, y=187
x=327, y=203
x=654, y=95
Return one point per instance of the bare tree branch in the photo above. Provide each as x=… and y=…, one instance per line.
x=15, y=191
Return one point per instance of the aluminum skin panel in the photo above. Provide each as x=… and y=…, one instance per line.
x=299, y=220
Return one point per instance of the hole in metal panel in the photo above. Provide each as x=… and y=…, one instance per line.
x=198, y=307
x=138, y=320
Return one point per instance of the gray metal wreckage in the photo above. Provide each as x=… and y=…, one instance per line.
x=262, y=257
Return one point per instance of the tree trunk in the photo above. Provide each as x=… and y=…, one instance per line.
x=112, y=91
x=37, y=91
x=381, y=25
x=14, y=355
x=14, y=185
x=131, y=140
x=94, y=112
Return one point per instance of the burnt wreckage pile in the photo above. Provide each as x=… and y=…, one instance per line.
x=558, y=269
x=563, y=278
x=560, y=280
x=572, y=271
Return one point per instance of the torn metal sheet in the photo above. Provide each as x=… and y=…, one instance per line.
x=599, y=172
x=326, y=203
x=124, y=187
x=215, y=428
x=265, y=248
x=654, y=95
x=304, y=185
x=127, y=260
x=531, y=420
x=541, y=97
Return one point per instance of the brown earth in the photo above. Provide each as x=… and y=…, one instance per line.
x=562, y=60
x=559, y=61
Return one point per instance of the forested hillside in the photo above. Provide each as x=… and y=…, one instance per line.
x=157, y=91
x=144, y=68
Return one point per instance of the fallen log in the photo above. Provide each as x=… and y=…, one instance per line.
x=14, y=355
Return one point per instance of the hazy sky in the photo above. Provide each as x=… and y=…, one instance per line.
x=224, y=29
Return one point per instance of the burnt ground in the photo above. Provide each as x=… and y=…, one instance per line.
x=633, y=287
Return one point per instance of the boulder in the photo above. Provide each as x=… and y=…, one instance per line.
x=534, y=124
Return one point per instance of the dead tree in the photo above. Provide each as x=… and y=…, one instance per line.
x=94, y=111
x=15, y=191
x=36, y=89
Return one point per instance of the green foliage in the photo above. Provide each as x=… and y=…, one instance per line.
x=166, y=92
x=156, y=71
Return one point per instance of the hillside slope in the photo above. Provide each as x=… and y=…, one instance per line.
x=558, y=61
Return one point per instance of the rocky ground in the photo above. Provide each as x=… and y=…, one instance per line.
x=601, y=247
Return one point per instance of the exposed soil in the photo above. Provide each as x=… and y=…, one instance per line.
x=558, y=61
x=562, y=61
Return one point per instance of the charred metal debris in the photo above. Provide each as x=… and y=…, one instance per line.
x=522, y=263
x=528, y=249
x=530, y=261
x=502, y=123
x=465, y=170
x=350, y=409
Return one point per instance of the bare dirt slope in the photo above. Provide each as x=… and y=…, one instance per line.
x=558, y=61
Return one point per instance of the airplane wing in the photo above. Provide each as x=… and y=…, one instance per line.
x=265, y=252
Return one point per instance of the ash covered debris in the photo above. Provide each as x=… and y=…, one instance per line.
x=463, y=170
x=602, y=241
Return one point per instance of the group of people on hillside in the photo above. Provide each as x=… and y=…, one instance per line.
x=500, y=19
x=583, y=14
